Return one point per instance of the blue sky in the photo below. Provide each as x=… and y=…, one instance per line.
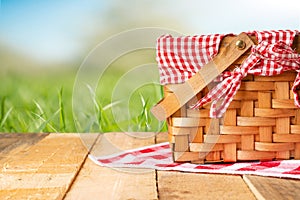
x=54, y=30
x=45, y=29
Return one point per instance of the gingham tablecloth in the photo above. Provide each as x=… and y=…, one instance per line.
x=179, y=58
x=159, y=157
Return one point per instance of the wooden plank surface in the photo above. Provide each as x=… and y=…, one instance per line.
x=273, y=188
x=45, y=166
x=44, y=170
x=95, y=182
x=17, y=142
x=177, y=185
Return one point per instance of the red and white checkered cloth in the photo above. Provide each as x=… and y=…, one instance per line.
x=159, y=157
x=180, y=58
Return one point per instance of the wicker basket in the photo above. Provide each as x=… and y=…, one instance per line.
x=261, y=123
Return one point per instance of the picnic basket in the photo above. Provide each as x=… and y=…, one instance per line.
x=230, y=98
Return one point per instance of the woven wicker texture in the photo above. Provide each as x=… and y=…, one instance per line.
x=261, y=123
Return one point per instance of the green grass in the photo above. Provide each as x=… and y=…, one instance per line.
x=42, y=102
x=36, y=103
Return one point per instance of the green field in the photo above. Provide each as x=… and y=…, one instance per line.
x=36, y=103
x=41, y=101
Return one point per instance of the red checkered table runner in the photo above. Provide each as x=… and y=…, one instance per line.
x=159, y=157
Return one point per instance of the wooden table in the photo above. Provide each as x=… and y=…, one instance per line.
x=55, y=166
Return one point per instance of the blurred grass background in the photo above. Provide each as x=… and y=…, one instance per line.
x=42, y=45
x=40, y=100
x=35, y=102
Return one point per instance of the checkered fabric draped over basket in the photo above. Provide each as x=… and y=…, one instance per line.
x=181, y=57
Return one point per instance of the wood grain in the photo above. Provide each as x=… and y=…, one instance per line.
x=255, y=121
x=17, y=142
x=239, y=130
x=44, y=170
x=177, y=185
x=267, y=188
x=46, y=166
x=274, y=113
x=95, y=182
x=188, y=122
x=255, y=155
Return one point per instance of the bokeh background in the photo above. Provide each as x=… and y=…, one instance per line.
x=43, y=44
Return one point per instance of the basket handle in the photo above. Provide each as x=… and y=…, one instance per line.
x=185, y=91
